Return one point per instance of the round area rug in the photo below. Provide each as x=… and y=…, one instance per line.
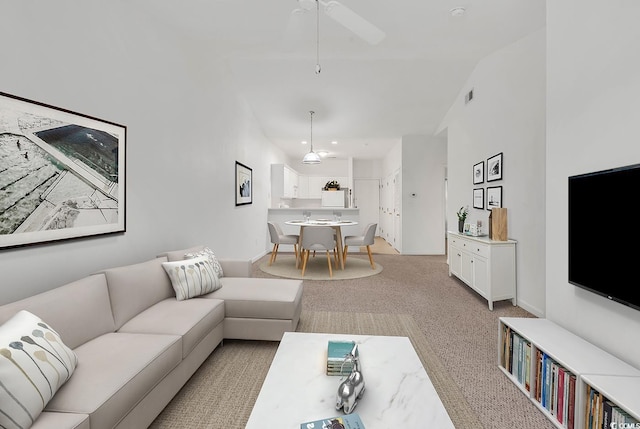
x=318, y=269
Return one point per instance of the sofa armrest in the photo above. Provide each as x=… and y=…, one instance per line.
x=236, y=267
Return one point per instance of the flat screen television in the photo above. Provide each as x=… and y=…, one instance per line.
x=603, y=250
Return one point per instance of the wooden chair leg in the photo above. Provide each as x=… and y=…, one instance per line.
x=304, y=261
x=344, y=253
x=274, y=252
x=329, y=261
x=373, y=266
x=295, y=252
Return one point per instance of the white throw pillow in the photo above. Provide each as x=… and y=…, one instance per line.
x=34, y=364
x=192, y=277
x=212, y=258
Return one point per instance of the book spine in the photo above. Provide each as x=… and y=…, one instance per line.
x=572, y=401
x=560, y=394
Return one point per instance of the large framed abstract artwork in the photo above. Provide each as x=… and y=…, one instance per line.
x=62, y=174
x=244, y=184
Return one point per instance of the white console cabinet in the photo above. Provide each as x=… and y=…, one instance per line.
x=487, y=266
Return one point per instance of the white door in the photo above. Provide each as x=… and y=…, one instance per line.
x=366, y=197
x=397, y=206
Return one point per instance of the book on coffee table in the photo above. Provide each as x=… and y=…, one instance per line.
x=347, y=421
x=337, y=351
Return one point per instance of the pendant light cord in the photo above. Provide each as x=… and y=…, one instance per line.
x=317, y=36
x=311, y=136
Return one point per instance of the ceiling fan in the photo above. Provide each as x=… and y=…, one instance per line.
x=347, y=18
x=342, y=15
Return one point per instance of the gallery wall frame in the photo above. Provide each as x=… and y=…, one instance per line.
x=478, y=198
x=494, y=167
x=244, y=184
x=478, y=173
x=494, y=197
x=62, y=174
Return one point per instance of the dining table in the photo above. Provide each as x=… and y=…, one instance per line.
x=335, y=224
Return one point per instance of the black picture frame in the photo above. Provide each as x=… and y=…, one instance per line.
x=494, y=167
x=243, y=184
x=494, y=197
x=478, y=173
x=64, y=174
x=478, y=198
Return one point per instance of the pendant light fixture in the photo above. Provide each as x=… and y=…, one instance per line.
x=311, y=157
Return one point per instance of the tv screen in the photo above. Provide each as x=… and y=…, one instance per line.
x=602, y=210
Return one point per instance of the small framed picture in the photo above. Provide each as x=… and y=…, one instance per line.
x=494, y=168
x=478, y=198
x=244, y=184
x=478, y=173
x=494, y=197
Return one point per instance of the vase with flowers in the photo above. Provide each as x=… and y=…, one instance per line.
x=462, y=216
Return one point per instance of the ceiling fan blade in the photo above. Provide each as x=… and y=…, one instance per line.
x=354, y=22
x=295, y=30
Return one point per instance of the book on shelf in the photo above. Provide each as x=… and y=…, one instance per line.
x=571, y=410
x=560, y=407
x=348, y=421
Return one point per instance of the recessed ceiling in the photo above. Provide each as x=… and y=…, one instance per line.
x=366, y=96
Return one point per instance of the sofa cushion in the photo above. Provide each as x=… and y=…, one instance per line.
x=134, y=288
x=192, y=277
x=178, y=255
x=192, y=319
x=208, y=253
x=79, y=311
x=259, y=298
x=34, y=364
x=116, y=370
x=48, y=420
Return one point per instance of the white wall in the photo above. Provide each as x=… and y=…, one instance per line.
x=592, y=116
x=186, y=127
x=423, y=173
x=507, y=114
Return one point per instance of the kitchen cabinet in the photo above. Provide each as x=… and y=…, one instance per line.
x=284, y=181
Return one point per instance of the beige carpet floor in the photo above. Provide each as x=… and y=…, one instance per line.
x=459, y=350
x=217, y=381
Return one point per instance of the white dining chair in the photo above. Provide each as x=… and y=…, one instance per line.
x=278, y=237
x=317, y=238
x=366, y=239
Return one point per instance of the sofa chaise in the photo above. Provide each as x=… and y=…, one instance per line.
x=136, y=344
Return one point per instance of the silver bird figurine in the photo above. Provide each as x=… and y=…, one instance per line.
x=352, y=388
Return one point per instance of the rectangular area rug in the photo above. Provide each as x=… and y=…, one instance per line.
x=222, y=392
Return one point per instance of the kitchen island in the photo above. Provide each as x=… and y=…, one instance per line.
x=282, y=215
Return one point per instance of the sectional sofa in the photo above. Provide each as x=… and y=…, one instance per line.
x=134, y=344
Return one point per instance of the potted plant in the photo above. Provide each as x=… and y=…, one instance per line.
x=462, y=216
x=332, y=185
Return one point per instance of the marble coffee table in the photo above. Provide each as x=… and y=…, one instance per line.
x=398, y=392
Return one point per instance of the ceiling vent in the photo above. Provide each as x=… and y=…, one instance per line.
x=468, y=96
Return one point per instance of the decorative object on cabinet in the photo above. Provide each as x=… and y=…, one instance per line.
x=494, y=167
x=462, y=216
x=244, y=184
x=63, y=174
x=498, y=224
x=494, y=197
x=311, y=157
x=478, y=173
x=478, y=198
x=486, y=266
x=332, y=185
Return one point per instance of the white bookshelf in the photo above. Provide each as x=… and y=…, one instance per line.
x=587, y=362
